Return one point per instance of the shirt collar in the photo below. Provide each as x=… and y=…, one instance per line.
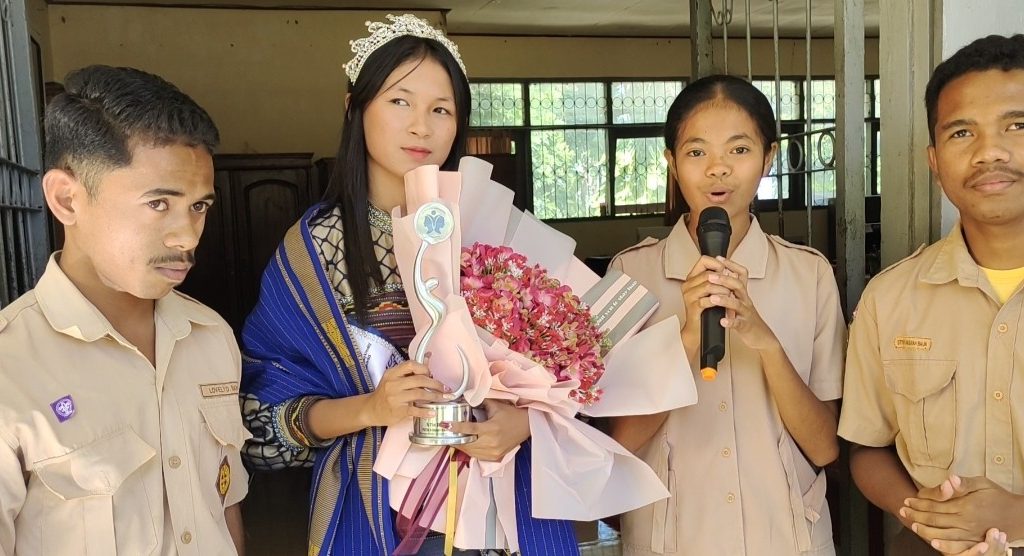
x=70, y=313
x=954, y=262
x=681, y=253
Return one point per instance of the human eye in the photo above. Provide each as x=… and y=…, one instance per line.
x=159, y=205
x=1017, y=126
x=443, y=110
x=959, y=134
x=741, y=150
x=694, y=153
x=201, y=207
x=399, y=102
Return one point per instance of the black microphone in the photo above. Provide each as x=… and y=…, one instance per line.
x=713, y=232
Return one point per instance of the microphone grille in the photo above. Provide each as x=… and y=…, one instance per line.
x=713, y=218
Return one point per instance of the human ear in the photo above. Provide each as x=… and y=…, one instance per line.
x=61, y=189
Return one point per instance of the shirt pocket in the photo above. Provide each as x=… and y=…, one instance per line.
x=81, y=516
x=807, y=489
x=925, y=407
x=222, y=435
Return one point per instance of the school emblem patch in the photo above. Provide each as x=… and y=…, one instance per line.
x=224, y=479
x=64, y=408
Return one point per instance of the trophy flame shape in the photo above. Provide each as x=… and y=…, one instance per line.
x=434, y=224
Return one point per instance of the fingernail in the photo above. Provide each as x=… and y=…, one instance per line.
x=715, y=299
x=713, y=278
x=903, y=512
x=913, y=527
x=445, y=425
x=449, y=397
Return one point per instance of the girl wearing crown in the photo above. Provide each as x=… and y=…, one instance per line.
x=326, y=367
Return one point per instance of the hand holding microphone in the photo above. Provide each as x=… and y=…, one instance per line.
x=716, y=288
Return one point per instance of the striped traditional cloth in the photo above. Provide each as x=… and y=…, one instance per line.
x=297, y=344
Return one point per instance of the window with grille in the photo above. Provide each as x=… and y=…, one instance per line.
x=808, y=155
x=594, y=148
x=23, y=241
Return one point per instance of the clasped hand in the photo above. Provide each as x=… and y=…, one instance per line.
x=963, y=516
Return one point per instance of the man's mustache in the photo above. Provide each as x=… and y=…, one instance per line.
x=996, y=169
x=188, y=257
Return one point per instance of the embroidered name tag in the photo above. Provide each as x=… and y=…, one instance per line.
x=909, y=342
x=222, y=389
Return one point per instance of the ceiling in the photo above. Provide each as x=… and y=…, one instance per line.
x=628, y=18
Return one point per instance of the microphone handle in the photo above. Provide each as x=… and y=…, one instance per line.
x=712, y=341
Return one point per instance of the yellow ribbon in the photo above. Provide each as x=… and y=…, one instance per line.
x=453, y=488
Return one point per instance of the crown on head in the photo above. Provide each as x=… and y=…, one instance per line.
x=381, y=33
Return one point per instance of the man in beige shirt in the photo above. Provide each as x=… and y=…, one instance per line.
x=119, y=421
x=932, y=372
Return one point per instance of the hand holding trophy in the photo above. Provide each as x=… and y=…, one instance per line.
x=434, y=224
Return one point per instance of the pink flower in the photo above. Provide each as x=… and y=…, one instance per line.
x=535, y=314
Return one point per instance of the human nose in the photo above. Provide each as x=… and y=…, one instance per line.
x=419, y=125
x=717, y=167
x=184, y=233
x=990, y=150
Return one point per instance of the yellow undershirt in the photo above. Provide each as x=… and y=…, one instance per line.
x=1004, y=282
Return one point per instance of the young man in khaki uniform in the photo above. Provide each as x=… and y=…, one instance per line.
x=931, y=374
x=119, y=421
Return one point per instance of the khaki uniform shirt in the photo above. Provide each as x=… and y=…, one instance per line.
x=739, y=483
x=932, y=368
x=100, y=452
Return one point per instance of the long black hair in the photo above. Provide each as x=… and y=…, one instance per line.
x=349, y=186
x=728, y=88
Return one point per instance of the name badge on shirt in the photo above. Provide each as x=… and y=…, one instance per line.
x=222, y=389
x=909, y=342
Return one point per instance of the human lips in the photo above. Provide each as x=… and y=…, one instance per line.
x=992, y=182
x=719, y=195
x=418, y=153
x=174, y=272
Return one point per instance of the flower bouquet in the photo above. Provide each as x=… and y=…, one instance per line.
x=538, y=329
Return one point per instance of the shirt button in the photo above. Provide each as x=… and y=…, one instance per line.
x=997, y=395
x=730, y=498
x=722, y=407
x=186, y=537
x=998, y=459
x=1002, y=327
x=726, y=452
x=174, y=462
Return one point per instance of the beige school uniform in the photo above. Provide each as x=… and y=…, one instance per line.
x=932, y=368
x=102, y=454
x=739, y=483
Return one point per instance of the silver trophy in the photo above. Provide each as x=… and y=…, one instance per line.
x=434, y=223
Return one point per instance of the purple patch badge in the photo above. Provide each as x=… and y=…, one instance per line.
x=63, y=408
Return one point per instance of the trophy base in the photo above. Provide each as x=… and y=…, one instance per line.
x=427, y=432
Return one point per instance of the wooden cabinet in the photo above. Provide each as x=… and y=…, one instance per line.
x=258, y=198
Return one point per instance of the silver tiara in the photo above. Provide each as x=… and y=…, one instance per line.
x=380, y=34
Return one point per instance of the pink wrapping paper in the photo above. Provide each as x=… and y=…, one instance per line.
x=579, y=473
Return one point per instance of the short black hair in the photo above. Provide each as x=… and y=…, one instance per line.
x=105, y=112
x=994, y=52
